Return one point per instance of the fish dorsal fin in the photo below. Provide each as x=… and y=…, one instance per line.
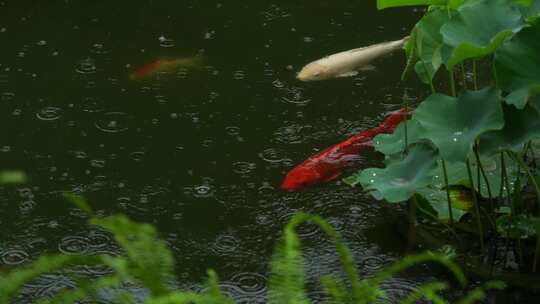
x=358, y=49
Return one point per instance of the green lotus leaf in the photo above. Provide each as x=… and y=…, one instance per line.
x=530, y=9
x=534, y=101
x=400, y=180
x=520, y=127
x=427, y=42
x=518, y=227
x=517, y=66
x=478, y=29
x=524, y=2
x=453, y=124
x=436, y=199
x=458, y=176
x=382, y=4
x=394, y=143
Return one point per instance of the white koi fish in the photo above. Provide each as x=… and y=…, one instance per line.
x=348, y=63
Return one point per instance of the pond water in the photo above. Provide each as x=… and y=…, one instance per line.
x=200, y=153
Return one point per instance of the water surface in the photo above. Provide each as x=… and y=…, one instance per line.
x=200, y=153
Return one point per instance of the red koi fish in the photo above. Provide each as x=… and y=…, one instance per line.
x=162, y=65
x=330, y=163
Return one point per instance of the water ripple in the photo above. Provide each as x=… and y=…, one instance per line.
x=295, y=95
x=233, y=130
x=202, y=191
x=92, y=105
x=49, y=113
x=250, y=282
x=98, y=49
x=291, y=134
x=225, y=244
x=273, y=155
x=137, y=156
x=243, y=168
x=372, y=263
x=7, y=96
x=304, y=230
x=113, y=122
x=74, y=245
x=239, y=75
x=27, y=206
x=250, y=299
x=166, y=42
x=86, y=66
x=48, y=285
x=14, y=257
x=398, y=288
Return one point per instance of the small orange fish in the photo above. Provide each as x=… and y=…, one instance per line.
x=161, y=65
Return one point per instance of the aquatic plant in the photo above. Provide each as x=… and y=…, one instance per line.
x=147, y=261
x=466, y=136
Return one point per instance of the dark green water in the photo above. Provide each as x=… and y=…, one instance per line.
x=199, y=153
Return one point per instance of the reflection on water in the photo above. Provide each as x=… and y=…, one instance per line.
x=200, y=153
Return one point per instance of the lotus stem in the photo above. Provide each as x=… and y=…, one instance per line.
x=475, y=75
x=436, y=219
x=536, y=250
x=483, y=172
x=452, y=83
x=511, y=202
x=476, y=207
x=463, y=77
x=524, y=166
x=533, y=155
x=506, y=184
x=445, y=175
x=406, y=107
x=412, y=222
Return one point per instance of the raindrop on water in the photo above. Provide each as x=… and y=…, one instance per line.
x=73, y=245
x=113, y=122
x=202, y=191
x=250, y=282
x=166, y=42
x=86, y=66
x=14, y=257
x=49, y=113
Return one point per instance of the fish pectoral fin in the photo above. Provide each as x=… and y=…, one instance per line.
x=348, y=74
x=368, y=67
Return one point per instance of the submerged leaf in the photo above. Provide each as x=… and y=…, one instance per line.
x=517, y=66
x=453, y=124
x=400, y=180
x=478, y=29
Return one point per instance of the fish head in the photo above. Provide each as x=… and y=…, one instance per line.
x=299, y=178
x=312, y=72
